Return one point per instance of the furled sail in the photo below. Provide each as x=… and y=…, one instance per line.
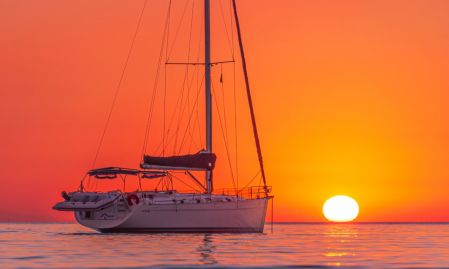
x=198, y=161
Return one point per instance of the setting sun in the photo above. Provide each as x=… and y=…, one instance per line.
x=340, y=209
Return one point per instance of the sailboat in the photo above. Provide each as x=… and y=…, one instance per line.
x=169, y=210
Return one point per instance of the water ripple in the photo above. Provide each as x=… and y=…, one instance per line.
x=312, y=245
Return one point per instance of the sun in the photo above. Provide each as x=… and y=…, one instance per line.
x=340, y=209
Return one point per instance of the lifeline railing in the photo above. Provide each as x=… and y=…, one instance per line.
x=254, y=192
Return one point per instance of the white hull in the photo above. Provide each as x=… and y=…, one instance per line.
x=247, y=216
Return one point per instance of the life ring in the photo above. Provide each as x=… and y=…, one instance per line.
x=130, y=197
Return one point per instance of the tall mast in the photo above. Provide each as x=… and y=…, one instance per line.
x=208, y=93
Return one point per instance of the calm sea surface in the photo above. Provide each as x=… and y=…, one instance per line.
x=311, y=245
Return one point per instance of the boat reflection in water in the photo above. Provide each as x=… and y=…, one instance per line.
x=206, y=250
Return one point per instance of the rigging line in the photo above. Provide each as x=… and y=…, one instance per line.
x=235, y=98
x=224, y=106
x=181, y=111
x=250, y=181
x=168, y=143
x=189, y=126
x=196, y=101
x=177, y=31
x=165, y=68
x=235, y=131
x=232, y=27
x=153, y=97
x=164, y=183
x=96, y=184
x=190, y=117
x=194, y=180
x=82, y=181
x=91, y=186
x=272, y=213
x=88, y=183
x=160, y=180
x=165, y=83
x=119, y=84
x=188, y=93
x=165, y=80
x=258, y=188
x=188, y=109
x=195, y=121
x=199, y=127
x=187, y=74
x=226, y=29
x=198, y=83
x=198, y=120
x=224, y=138
x=184, y=183
x=197, y=80
x=199, y=63
x=180, y=98
x=201, y=35
x=179, y=114
x=169, y=179
x=198, y=55
x=192, y=139
x=168, y=32
x=179, y=125
x=190, y=35
x=165, y=96
x=167, y=182
x=188, y=60
x=179, y=120
x=176, y=106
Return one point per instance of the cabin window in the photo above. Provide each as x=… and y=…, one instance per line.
x=87, y=214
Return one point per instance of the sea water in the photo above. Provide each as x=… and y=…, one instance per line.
x=291, y=245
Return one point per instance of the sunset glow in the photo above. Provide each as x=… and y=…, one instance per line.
x=350, y=97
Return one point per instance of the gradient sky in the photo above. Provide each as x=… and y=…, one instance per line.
x=350, y=98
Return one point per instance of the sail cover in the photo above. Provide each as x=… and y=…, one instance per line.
x=199, y=160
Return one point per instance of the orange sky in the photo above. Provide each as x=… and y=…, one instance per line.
x=350, y=99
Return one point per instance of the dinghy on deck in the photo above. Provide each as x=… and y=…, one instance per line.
x=86, y=201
